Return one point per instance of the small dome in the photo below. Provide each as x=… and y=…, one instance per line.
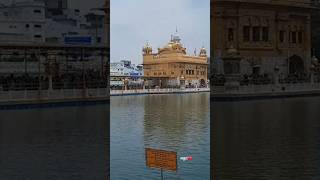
x=314, y=60
x=147, y=49
x=203, y=52
x=147, y=46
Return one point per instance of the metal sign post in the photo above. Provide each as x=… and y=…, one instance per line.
x=161, y=174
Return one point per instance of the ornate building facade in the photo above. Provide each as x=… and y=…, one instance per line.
x=172, y=67
x=315, y=27
x=268, y=35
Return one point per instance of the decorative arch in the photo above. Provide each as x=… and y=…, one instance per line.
x=202, y=83
x=296, y=65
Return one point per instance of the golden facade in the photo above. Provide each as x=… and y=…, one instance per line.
x=268, y=35
x=172, y=67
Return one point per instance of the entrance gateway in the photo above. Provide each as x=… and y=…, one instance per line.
x=296, y=65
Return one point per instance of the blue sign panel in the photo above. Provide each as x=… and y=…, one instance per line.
x=83, y=40
x=134, y=74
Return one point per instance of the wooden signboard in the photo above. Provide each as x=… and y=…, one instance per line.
x=164, y=160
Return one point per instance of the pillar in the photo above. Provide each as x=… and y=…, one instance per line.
x=231, y=67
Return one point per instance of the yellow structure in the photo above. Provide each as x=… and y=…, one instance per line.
x=172, y=67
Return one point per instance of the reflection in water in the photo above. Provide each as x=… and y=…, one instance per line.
x=270, y=139
x=69, y=143
x=176, y=122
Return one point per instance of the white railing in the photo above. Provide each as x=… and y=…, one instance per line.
x=267, y=88
x=47, y=95
x=157, y=91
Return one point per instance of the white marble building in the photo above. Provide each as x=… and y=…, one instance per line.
x=26, y=22
x=22, y=22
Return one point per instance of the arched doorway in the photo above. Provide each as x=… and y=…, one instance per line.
x=202, y=83
x=256, y=70
x=296, y=65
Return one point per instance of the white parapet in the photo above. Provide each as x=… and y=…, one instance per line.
x=157, y=91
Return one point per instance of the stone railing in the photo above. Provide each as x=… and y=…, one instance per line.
x=267, y=88
x=52, y=95
x=157, y=91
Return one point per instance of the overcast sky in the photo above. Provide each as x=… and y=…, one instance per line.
x=133, y=23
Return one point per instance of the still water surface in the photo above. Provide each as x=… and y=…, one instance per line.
x=175, y=122
x=266, y=139
x=64, y=143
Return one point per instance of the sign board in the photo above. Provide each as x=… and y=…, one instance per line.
x=78, y=40
x=134, y=74
x=166, y=160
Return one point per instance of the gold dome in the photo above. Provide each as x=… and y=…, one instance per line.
x=176, y=46
x=173, y=46
x=147, y=49
x=203, y=52
x=169, y=45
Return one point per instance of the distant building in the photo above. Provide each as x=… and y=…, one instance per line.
x=22, y=22
x=35, y=45
x=172, y=67
x=51, y=21
x=88, y=28
x=54, y=7
x=125, y=68
x=124, y=73
x=268, y=35
x=315, y=28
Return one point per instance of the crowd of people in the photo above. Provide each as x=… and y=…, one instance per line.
x=20, y=82
x=255, y=79
x=78, y=80
x=95, y=79
x=295, y=78
x=258, y=79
